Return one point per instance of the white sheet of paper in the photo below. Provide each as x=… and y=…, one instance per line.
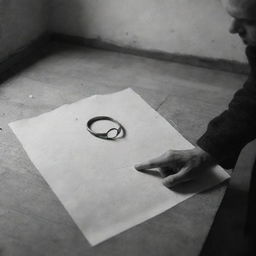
x=93, y=178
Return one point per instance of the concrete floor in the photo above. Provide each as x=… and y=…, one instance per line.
x=32, y=220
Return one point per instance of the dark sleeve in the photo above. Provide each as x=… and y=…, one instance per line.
x=228, y=133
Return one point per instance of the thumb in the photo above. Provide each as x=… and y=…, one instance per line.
x=177, y=178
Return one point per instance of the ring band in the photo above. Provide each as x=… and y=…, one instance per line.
x=105, y=135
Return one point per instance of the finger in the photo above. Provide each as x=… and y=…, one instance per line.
x=160, y=161
x=175, y=179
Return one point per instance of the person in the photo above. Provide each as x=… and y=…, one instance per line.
x=228, y=133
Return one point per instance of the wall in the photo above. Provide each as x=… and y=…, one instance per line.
x=21, y=22
x=186, y=27
x=198, y=27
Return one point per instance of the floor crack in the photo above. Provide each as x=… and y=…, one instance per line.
x=160, y=105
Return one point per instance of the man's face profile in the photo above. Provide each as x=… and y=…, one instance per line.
x=243, y=13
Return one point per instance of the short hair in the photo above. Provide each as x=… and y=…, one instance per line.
x=248, y=5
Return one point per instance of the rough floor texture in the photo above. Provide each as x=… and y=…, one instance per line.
x=32, y=220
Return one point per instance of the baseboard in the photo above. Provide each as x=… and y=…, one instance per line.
x=219, y=64
x=24, y=56
x=33, y=51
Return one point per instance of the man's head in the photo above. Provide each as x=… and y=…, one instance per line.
x=243, y=13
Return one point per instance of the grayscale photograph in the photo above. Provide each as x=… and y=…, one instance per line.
x=127, y=127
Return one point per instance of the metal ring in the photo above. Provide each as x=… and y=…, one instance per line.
x=105, y=135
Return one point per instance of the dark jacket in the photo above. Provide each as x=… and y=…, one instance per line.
x=228, y=133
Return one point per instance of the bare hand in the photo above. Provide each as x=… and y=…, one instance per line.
x=177, y=166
